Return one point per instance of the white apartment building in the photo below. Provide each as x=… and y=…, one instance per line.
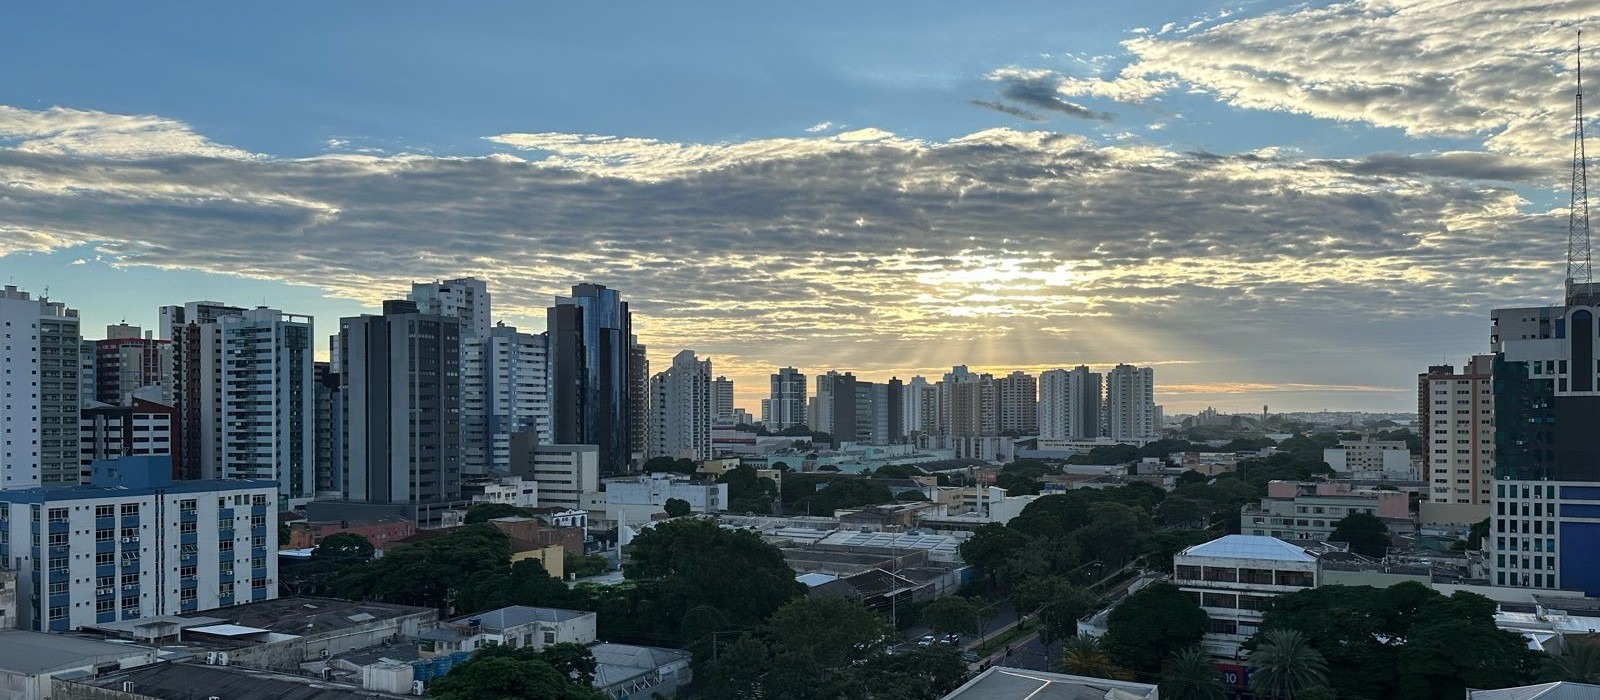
x=1019, y=404
x=1130, y=403
x=1235, y=578
x=564, y=473
x=969, y=404
x=921, y=411
x=197, y=383
x=1069, y=404
x=507, y=490
x=681, y=409
x=510, y=375
x=1371, y=459
x=269, y=401
x=39, y=401
x=1457, y=419
x=133, y=543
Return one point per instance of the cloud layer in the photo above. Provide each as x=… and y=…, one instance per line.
x=862, y=250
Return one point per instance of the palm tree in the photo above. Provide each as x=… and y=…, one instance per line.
x=1082, y=655
x=1579, y=662
x=1286, y=664
x=1189, y=675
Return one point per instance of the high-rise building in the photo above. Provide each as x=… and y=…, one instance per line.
x=329, y=436
x=921, y=413
x=466, y=300
x=1130, y=403
x=681, y=411
x=722, y=399
x=564, y=473
x=126, y=360
x=517, y=391
x=134, y=544
x=401, y=392
x=1456, y=422
x=1069, y=404
x=858, y=411
x=969, y=404
x=821, y=411
x=40, y=359
x=269, y=401
x=197, y=383
x=786, y=406
x=598, y=380
x=1019, y=404
x=638, y=402
x=88, y=383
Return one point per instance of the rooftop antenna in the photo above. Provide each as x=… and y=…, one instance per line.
x=1578, y=269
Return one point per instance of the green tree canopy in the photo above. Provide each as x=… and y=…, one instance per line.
x=423, y=573
x=484, y=512
x=829, y=630
x=1190, y=674
x=343, y=545
x=1151, y=625
x=498, y=673
x=677, y=508
x=748, y=492
x=1017, y=484
x=951, y=614
x=669, y=465
x=696, y=562
x=1367, y=534
x=1285, y=665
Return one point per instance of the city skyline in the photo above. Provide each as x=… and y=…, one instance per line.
x=1214, y=191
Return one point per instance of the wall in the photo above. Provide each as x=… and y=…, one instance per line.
x=552, y=557
x=1375, y=579
x=288, y=655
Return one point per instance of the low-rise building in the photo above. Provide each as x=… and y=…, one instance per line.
x=1371, y=459
x=564, y=473
x=30, y=660
x=638, y=499
x=517, y=626
x=134, y=543
x=1002, y=683
x=506, y=490
x=1235, y=578
x=626, y=671
x=1311, y=511
x=381, y=531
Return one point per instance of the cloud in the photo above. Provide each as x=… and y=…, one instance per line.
x=73, y=132
x=860, y=250
x=1039, y=90
x=819, y=127
x=1004, y=108
x=1498, y=71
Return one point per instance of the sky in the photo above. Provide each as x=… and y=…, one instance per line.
x=1299, y=205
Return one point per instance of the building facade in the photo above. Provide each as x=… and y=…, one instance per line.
x=564, y=473
x=1130, y=403
x=1069, y=404
x=1367, y=458
x=681, y=409
x=197, y=383
x=1312, y=511
x=269, y=401
x=598, y=378
x=132, y=543
x=466, y=300
x=969, y=404
x=722, y=399
x=401, y=388
x=125, y=362
x=144, y=429
x=786, y=405
x=39, y=409
x=1235, y=578
x=1456, y=418
x=517, y=391
x=1019, y=404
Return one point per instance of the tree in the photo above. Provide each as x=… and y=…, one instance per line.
x=669, y=465
x=1579, y=662
x=991, y=546
x=1436, y=663
x=1191, y=477
x=677, y=508
x=1286, y=664
x=951, y=614
x=1179, y=510
x=1017, y=484
x=571, y=660
x=343, y=545
x=828, y=468
x=1058, y=603
x=1367, y=534
x=484, y=512
x=830, y=631
x=1190, y=675
x=423, y=573
x=584, y=565
x=1114, y=533
x=925, y=673
x=1477, y=534
x=501, y=672
x=696, y=562
x=1151, y=625
x=738, y=670
x=748, y=492
x=1083, y=655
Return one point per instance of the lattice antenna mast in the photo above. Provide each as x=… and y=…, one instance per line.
x=1578, y=269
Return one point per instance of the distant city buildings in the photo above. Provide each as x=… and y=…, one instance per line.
x=1130, y=403
x=681, y=409
x=1455, y=417
x=40, y=411
x=598, y=376
x=786, y=406
x=1019, y=404
x=1069, y=404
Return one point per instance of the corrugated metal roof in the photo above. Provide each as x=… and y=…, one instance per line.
x=33, y=653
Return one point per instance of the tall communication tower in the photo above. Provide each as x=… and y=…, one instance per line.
x=1579, y=273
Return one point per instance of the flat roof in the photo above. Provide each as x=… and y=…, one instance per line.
x=516, y=615
x=173, y=681
x=309, y=616
x=615, y=663
x=34, y=653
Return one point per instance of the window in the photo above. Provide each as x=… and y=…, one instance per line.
x=59, y=588
x=105, y=582
x=105, y=534
x=258, y=500
x=105, y=606
x=225, y=544
x=58, y=612
x=258, y=521
x=58, y=515
x=130, y=510
x=186, y=572
x=130, y=579
x=225, y=590
x=105, y=511
x=259, y=584
x=258, y=563
x=58, y=565
x=105, y=558
x=58, y=539
x=186, y=527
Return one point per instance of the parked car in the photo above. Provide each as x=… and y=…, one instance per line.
x=951, y=639
x=926, y=640
x=970, y=657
